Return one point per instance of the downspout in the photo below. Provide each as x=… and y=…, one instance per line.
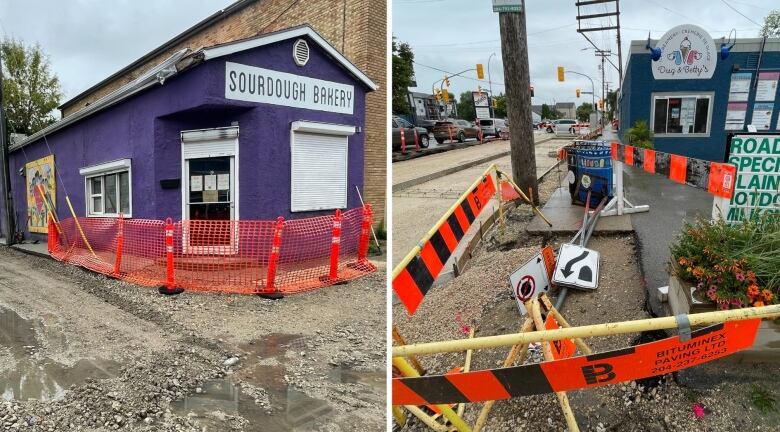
x=758, y=65
x=8, y=225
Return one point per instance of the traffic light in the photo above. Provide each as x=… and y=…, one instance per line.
x=480, y=71
x=560, y=73
x=446, y=81
x=446, y=96
x=494, y=103
x=532, y=91
x=578, y=92
x=438, y=95
x=601, y=104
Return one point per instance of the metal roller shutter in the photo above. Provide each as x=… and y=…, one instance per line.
x=319, y=172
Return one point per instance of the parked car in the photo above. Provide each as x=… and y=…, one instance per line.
x=427, y=124
x=492, y=127
x=546, y=125
x=409, y=128
x=457, y=129
x=563, y=126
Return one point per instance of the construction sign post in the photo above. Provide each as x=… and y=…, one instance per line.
x=530, y=280
x=577, y=267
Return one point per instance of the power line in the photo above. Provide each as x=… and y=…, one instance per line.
x=737, y=11
x=489, y=40
x=453, y=73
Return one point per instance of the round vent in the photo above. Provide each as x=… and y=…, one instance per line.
x=301, y=52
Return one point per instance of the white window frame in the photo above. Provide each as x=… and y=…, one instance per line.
x=676, y=95
x=100, y=171
x=323, y=129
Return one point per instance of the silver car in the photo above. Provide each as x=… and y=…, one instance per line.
x=492, y=127
x=564, y=126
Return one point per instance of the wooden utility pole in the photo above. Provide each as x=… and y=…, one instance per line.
x=514, y=52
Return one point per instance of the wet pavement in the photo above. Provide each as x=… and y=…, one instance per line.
x=266, y=399
x=670, y=205
x=26, y=373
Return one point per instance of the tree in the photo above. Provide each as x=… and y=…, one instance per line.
x=466, y=109
x=611, y=103
x=584, y=111
x=771, y=26
x=549, y=113
x=403, y=76
x=500, y=110
x=31, y=91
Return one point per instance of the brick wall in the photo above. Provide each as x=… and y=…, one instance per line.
x=357, y=28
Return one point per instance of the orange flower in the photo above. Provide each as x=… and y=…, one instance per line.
x=767, y=295
x=682, y=261
x=752, y=291
x=758, y=303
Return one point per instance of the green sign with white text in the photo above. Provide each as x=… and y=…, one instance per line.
x=507, y=5
x=757, y=187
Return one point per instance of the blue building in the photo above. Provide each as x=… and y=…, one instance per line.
x=692, y=98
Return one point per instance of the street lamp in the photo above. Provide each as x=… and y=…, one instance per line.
x=592, y=88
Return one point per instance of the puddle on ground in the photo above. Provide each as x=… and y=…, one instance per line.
x=290, y=409
x=36, y=377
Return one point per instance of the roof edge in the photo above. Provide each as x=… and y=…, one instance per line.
x=222, y=13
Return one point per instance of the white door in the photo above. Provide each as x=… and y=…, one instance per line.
x=210, y=190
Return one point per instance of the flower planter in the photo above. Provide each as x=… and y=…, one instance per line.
x=681, y=301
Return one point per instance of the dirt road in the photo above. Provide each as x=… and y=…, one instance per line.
x=79, y=351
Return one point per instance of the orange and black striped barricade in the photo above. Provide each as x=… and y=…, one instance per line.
x=403, y=141
x=271, y=290
x=415, y=274
x=170, y=287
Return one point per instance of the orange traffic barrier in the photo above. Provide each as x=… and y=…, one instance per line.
x=403, y=141
x=416, y=140
x=243, y=257
x=335, y=243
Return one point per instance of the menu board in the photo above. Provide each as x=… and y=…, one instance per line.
x=740, y=86
x=762, y=115
x=735, y=116
x=688, y=114
x=766, y=90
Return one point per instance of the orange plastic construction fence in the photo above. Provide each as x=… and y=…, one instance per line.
x=244, y=256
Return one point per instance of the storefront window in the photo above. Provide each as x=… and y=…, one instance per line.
x=108, y=189
x=683, y=114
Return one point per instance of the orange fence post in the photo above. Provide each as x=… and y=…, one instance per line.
x=403, y=141
x=364, y=232
x=169, y=288
x=335, y=244
x=52, y=237
x=416, y=140
x=271, y=290
x=120, y=239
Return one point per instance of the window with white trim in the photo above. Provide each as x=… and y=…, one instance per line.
x=681, y=114
x=108, y=189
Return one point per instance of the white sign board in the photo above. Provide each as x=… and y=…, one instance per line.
x=529, y=281
x=687, y=52
x=254, y=84
x=757, y=187
x=480, y=99
x=482, y=112
x=762, y=115
x=507, y=5
x=577, y=267
x=766, y=88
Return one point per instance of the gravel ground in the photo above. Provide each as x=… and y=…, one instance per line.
x=111, y=355
x=480, y=297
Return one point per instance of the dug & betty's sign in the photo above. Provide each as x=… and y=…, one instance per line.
x=687, y=52
x=254, y=84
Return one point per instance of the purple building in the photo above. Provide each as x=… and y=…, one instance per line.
x=253, y=129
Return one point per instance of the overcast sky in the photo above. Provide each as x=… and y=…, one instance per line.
x=88, y=40
x=454, y=35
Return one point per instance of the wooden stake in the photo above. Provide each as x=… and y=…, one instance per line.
x=533, y=308
x=78, y=225
x=562, y=321
x=466, y=368
x=517, y=351
x=400, y=341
